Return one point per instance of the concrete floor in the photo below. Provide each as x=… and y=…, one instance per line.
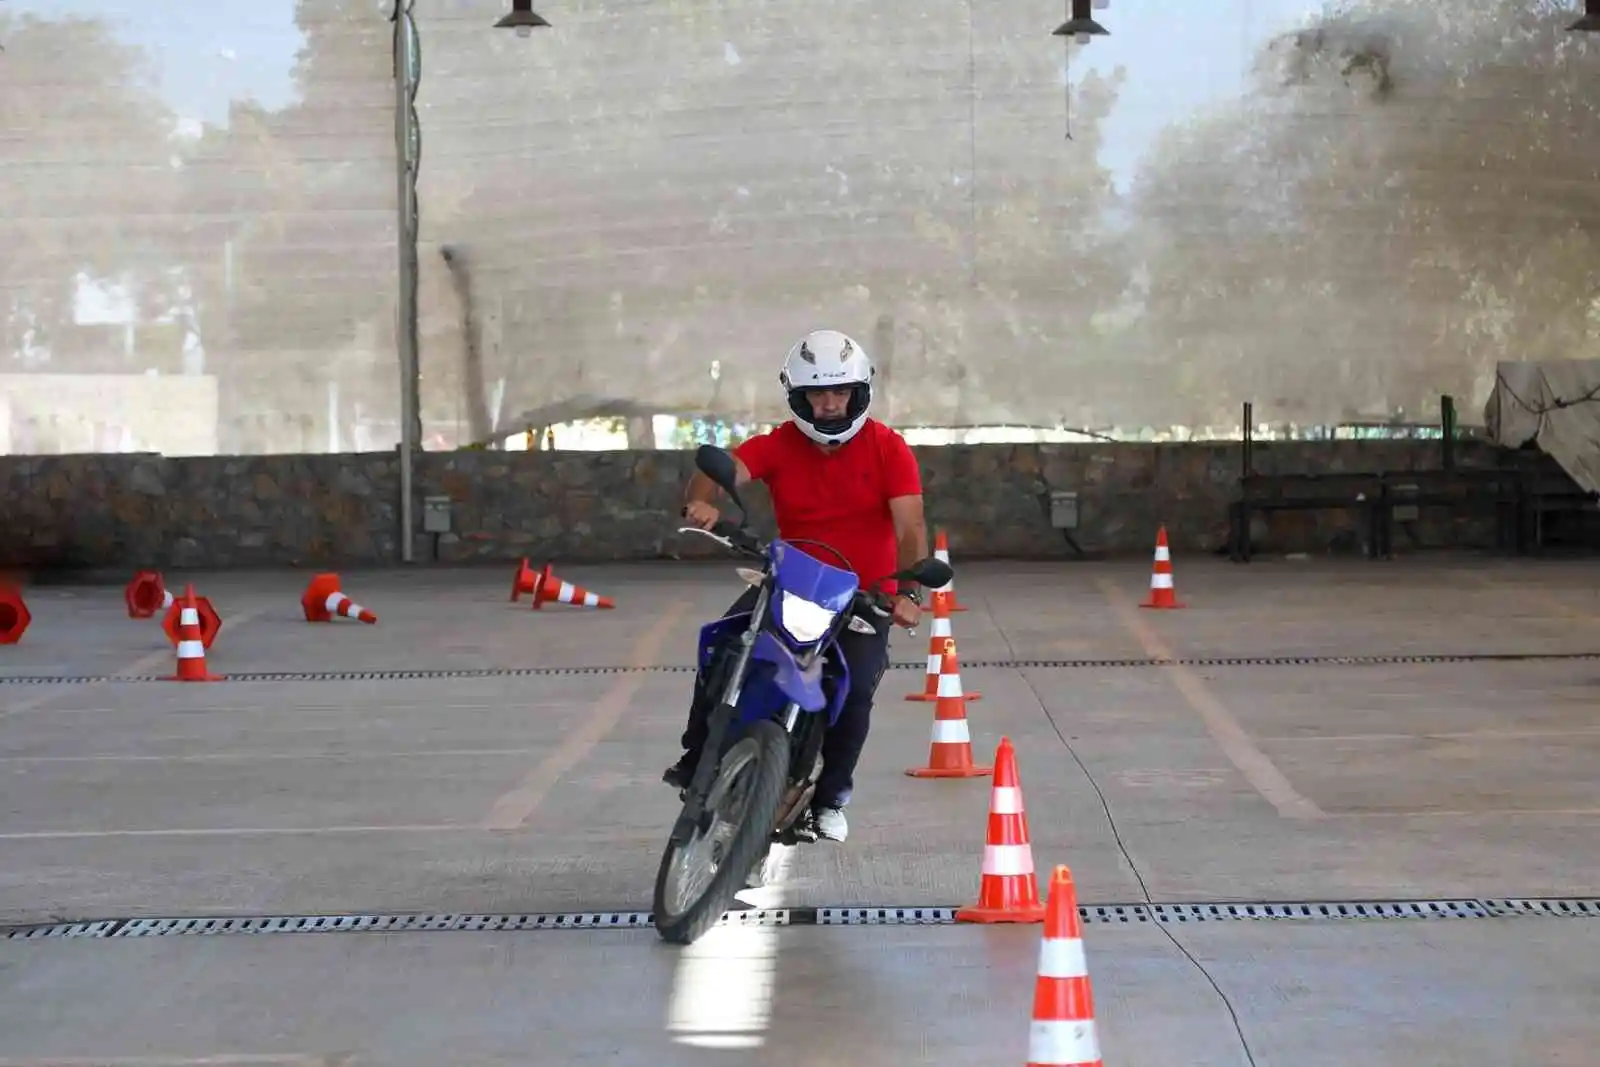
x=540, y=793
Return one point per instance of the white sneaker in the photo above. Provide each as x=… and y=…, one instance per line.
x=830, y=823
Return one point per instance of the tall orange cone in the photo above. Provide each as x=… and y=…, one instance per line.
x=553, y=589
x=1162, y=592
x=191, y=649
x=950, y=751
x=939, y=639
x=1009, y=891
x=323, y=600
x=524, y=581
x=1063, y=1032
x=941, y=552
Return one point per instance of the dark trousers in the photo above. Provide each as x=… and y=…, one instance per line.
x=868, y=657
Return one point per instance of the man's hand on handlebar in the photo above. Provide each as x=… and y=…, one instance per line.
x=701, y=514
x=907, y=612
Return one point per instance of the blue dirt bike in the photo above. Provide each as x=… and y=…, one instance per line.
x=779, y=683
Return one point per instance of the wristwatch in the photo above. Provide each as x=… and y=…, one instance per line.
x=911, y=595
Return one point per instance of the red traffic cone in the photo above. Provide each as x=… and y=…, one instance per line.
x=146, y=594
x=525, y=580
x=950, y=751
x=941, y=552
x=938, y=640
x=15, y=618
x=1063, y=1032
x=1009, y=891
x=191, y=649
x=322, y=601
x=552, y=589
x=1162, y=592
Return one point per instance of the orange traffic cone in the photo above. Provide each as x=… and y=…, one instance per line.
x=322, y=601
x=941, y=552
x=1009, y=891
x=146, y=594
x=950, y=752
x=15, y=618
x=938, y=641
x=524, y=582
x=191, y=649
x=1063, y=1033
x=1162, y=592
x=550, y=588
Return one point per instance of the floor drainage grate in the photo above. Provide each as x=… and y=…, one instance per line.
x=1094, y=914
x=1576, y=908
x=674, y=668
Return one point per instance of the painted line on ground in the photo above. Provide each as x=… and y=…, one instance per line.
x=513, y=809
x=1219, y=720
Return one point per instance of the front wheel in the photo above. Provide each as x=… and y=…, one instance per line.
x=698, y=879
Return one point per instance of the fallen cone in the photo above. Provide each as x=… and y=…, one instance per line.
x=323, y=602
x=15, y=618
x=524, y=581
x=146, y=594
x=550, y=589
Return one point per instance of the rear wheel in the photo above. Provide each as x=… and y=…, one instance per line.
x=698, y=879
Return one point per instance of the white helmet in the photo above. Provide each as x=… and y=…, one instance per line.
x=828, y=359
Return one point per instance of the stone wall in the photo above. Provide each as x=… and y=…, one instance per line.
x=993, y=500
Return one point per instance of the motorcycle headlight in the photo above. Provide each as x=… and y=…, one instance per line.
x=804, y=620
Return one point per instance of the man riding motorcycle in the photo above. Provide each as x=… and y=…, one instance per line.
x=839, y=477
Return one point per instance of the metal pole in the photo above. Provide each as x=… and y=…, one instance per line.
x=407, y=151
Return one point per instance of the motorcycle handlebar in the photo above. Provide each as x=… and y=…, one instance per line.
x=738, y=538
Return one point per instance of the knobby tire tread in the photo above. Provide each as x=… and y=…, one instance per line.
x=750, y=843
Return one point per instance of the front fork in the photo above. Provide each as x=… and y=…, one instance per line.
x=705, y=771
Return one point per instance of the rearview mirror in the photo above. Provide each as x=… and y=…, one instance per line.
x=719, y=465
x=932, y=573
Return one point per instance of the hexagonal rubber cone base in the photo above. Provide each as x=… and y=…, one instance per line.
x=950, y=772
x=1023, y=914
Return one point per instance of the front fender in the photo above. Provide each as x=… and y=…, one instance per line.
x=803, y=685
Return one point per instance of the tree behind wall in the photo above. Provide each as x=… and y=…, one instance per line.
x=1407, y=196
x=90, y=191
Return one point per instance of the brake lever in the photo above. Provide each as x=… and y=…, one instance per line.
x=718, y=538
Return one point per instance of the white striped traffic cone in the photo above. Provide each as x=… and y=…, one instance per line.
x=191, y=649
x=950, y=751
x=941, y=552
x=324, y=601
x=1162, y=592
x=1009, y=890
x=340, y=605
x=940, y=639
x=1063, y=1032
x=553, y=589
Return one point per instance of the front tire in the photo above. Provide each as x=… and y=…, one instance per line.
x=698, y=880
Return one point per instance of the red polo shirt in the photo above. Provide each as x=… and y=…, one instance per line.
x=840, y=498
